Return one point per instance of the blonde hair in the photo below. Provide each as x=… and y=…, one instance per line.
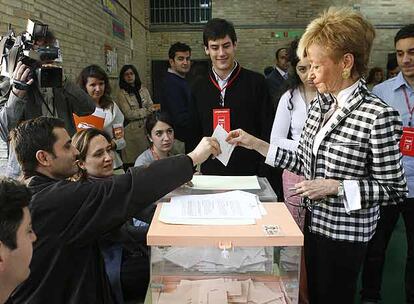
x=340, y=31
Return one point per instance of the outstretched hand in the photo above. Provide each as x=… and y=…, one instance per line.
x=206, y=147
x=241, y=138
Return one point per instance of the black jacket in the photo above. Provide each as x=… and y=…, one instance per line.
x=276, y=85
x=175, y=99
x=250, y=109
x=69, y=218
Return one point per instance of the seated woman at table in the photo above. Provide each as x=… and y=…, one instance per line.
x=348, y=152
x=124, y=250
x=160, y=133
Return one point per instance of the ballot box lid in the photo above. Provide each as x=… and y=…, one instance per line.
x=260, y=234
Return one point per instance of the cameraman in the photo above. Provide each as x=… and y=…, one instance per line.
x=35, y=101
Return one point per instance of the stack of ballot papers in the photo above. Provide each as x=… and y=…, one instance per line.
x=218, y=182
x=227, y=208
x=223, y=291
x=211, y=260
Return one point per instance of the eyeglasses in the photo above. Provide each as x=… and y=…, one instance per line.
x=304, y=202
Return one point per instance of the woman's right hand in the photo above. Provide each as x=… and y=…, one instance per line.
x=241, y=138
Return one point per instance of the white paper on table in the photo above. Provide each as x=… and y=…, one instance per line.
x=228, y=208
x=227, y=205
x=217, y=182
x=206, y=222
x=226, y=149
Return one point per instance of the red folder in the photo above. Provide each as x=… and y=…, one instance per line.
x=95, y=120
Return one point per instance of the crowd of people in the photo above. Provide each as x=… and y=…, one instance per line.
x=324, y=131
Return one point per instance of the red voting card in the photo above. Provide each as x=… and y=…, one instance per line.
x=221, y=117
x=407, y=141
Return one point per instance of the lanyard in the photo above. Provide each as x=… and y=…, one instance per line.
x=410, y=110
x=229, y=83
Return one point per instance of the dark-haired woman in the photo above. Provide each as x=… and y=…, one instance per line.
x=290, y=118
x=160, y=134
x=95, y=82
x=135, y=103
x=375, y=76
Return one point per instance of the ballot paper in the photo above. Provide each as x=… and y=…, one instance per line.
x=289, y=258
x=226, y=149
x=217, y=182
x=211, y=260
x=228, y=208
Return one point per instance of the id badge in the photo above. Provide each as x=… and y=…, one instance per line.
x=221, y=117
x=407, y=141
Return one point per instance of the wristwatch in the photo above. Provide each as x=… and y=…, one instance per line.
x=341, y=190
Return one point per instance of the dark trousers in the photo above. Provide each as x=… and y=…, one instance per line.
x=374, y=261
x=332, y=268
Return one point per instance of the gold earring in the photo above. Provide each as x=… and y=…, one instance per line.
x=346, y=73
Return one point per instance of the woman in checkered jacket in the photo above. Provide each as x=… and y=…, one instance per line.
x=348, y=153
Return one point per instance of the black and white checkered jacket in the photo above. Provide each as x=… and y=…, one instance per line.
x=362, y=145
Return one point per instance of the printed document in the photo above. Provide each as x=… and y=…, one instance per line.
x=228, y=208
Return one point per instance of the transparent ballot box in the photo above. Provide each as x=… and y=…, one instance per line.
x=257, y=263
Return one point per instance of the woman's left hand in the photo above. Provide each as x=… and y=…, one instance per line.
x=318, y=188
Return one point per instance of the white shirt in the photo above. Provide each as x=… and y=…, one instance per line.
x=223, y=82
x=289, y=120
x=342, y=97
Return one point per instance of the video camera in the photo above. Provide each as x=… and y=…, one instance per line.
x=36, y=48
